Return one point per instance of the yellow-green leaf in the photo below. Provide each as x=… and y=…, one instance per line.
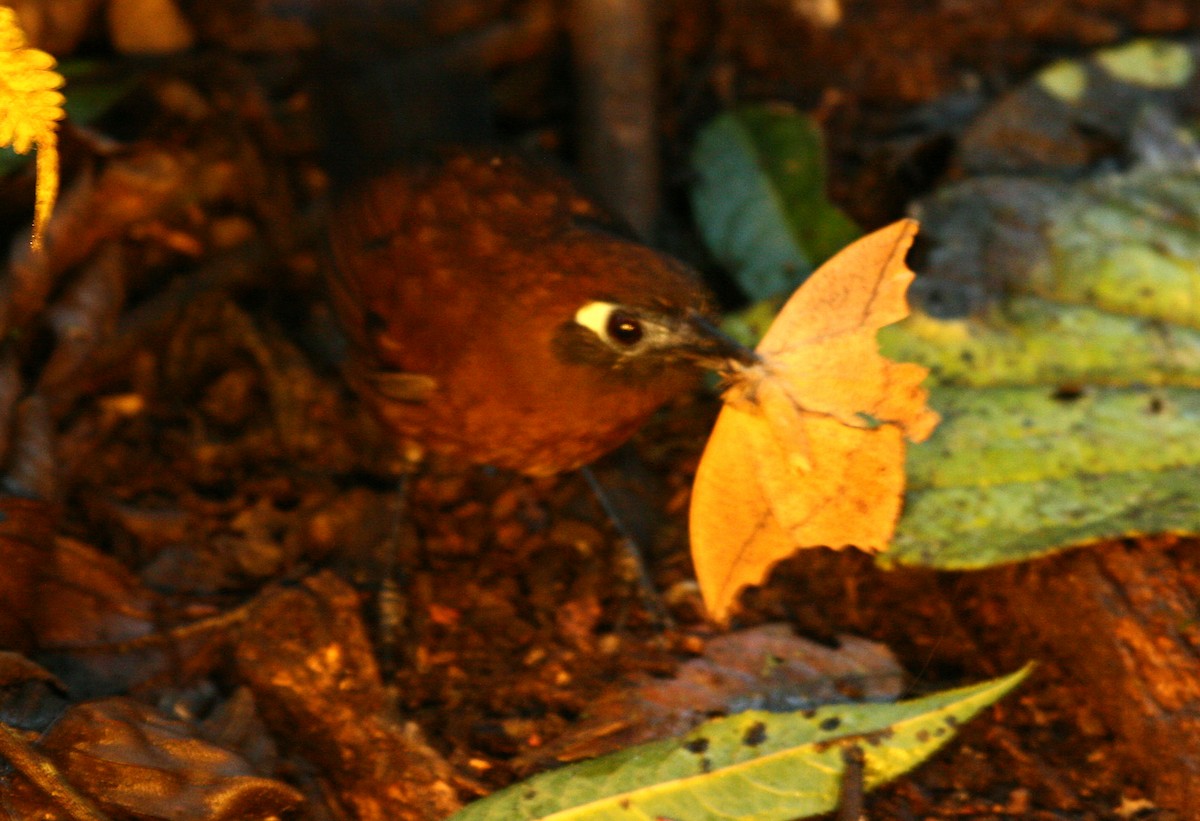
x=753, y=766
x=1071, y=408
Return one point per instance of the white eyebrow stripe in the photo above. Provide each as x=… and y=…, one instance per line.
x=594, y=316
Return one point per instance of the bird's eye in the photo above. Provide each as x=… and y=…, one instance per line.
x=618, y=327
x=624, y=329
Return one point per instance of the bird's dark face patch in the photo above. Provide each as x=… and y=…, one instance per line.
x=629, y=344
x=634, y=342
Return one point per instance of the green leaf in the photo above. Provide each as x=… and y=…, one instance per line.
x=1032, y=341
x=759, y=198
x=1015, y=472
x=1128, y=244
x=753, y=766
x=1071, y=409
x=1152, y=64
x=1149, y=63
x=95, y=87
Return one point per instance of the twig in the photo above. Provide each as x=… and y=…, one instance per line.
x=615, y=50
x=850, y=797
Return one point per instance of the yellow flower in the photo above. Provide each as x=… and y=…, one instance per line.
x=30, y=108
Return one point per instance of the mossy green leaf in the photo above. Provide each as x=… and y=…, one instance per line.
x=759, y=198
x=1014, y=472
x=1033, y=341
x=1149, y=63
x=753, y=766
x=971, y=527
x=1071, y=408
x=1064, y=79
x=1128, y=244
x=1035, y=434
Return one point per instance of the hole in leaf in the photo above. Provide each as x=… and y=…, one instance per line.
x=1067, y=393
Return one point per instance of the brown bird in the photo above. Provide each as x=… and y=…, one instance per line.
x=497, y=314
x=494, y=312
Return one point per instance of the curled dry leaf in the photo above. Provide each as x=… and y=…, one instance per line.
x=147, y=184
x=306, y=657
x=809, y=448
x=31, y=697
x=133, y=760
x=93, y=621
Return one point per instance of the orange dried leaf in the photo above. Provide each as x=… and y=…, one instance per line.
x=809, y=448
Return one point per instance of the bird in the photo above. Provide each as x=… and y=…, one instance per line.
x=497, y=314
x=494, y=312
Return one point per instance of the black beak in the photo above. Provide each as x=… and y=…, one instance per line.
x=704, y=344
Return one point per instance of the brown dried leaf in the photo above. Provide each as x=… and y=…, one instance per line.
x=143, y=185
x=42, y=792
x=82, y=320
x=31, y=467
x=809, y=448
x=97, y=626
x=132, y=759
x=26, y=541
x=765, y=668
x=31, y=697
x=306, y=656
x=15, y=670
x=87, y=598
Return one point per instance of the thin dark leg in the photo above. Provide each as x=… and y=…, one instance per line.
x=393, y=561
x=650, y=595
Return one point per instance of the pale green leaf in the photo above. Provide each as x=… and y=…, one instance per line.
x=1032, y=341
x=1150, y=63
x=753, y=766
x=1071, y=409
x=1014, y=472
